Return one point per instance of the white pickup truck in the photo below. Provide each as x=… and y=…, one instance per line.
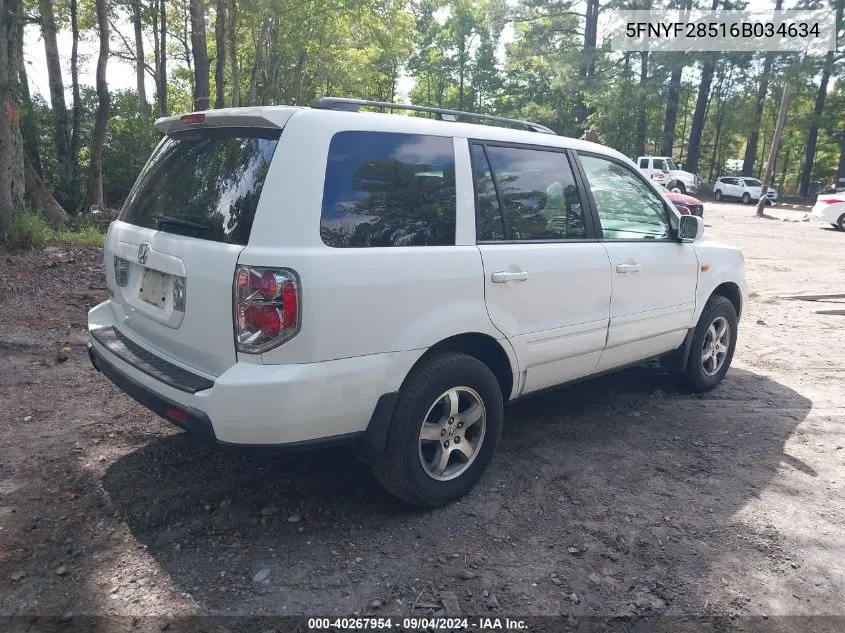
x=663, y=170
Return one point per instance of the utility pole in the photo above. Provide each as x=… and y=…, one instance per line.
x=773, y=150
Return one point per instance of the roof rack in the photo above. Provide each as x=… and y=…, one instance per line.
x=442, y=114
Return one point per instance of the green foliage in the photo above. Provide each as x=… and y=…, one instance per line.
x=29, y=230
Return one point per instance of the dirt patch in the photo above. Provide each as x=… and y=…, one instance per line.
x=621, y=496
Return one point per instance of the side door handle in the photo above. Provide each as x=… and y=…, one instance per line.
x=504, y=276
x=628, y=268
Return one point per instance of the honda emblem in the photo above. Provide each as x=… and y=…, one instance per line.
x=144, y=252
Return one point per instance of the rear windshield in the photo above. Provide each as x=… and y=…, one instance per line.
x=203, y=184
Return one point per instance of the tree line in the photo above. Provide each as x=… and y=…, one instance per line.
x=535, y=59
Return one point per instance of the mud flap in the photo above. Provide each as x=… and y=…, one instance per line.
x=676, y=360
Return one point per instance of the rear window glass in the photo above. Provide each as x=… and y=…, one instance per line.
x=389, y=189
x=203, y=184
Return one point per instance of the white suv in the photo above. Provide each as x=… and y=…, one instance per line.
x=298, y=276
x=744, y=189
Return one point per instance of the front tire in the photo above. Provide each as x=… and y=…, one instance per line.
x=746, y=198
x=840, y=223
x=718, y=195
x=712, y=347
x=444, y=431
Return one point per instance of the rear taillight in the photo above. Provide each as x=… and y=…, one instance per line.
x=179, y=294
x=121, y=271
x=831, y=201
x=267, y=307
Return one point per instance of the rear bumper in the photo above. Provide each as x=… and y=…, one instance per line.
x=259, y=405
x=828, y=213
x=196, y=423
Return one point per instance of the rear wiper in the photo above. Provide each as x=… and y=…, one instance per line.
x=164, y=219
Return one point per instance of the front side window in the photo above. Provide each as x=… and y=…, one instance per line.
x=628, y=208
x=388, y=189
x=661, y=165
x=537, y=189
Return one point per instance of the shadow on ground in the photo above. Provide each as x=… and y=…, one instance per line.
x=615, y=495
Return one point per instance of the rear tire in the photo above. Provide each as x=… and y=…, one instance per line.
x=718, y=195
x=712, y=347
x=425, y=460
x=840, y=223
x=746, y=198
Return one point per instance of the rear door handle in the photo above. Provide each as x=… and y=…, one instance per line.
x=505, y=276
x=628, y=268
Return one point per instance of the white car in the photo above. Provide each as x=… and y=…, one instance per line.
x=743, y=189
x=831, y=208
x=290, y=277
x=663, y=170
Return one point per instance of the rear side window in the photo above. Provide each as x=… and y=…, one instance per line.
x=204, y=184
x=537, y=189
x=389, y=189
x=643, y=163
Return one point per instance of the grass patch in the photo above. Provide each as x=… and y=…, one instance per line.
x=30, y=230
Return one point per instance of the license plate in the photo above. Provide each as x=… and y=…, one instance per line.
x=154, y=287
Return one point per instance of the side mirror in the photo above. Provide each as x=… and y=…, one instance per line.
x=690, y=228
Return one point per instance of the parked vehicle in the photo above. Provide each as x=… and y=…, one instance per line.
x=743, y=189
x=686, y=205
x=667, y=173
x=831, y=208
x=289, y=277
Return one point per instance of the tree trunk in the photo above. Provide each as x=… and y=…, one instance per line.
x=754, y=136
x=11, y=142
x=61, y=125
x=140, y=60
x=39, y=197
x=77, y=98
x=162, y=58
x=698, y=116
x=762, y=91
x=773, y=151
x=199, y=48
x=639, y=147
x=233, y=53
x=29, y=129
x=102, y=118
x=840, y=172
x=220, y=61
x=813, y=134
x=260, y=55
x=587, y=67
x=671, y=119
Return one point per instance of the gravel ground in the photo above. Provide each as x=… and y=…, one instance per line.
x=619, y=496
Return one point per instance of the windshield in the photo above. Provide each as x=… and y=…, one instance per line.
x=204, y=184
x=752, y=182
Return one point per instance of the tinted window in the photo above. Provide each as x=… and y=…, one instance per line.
x=753, y=182
x=661, y=165
x=489, y=224
x=644, y=163
x=539, y=194
x=203, y=184
x=628, y=208
x=385, y=189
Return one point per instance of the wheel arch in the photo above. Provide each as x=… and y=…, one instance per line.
x=493, y=353
x=482, y=347
x=730, y=291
